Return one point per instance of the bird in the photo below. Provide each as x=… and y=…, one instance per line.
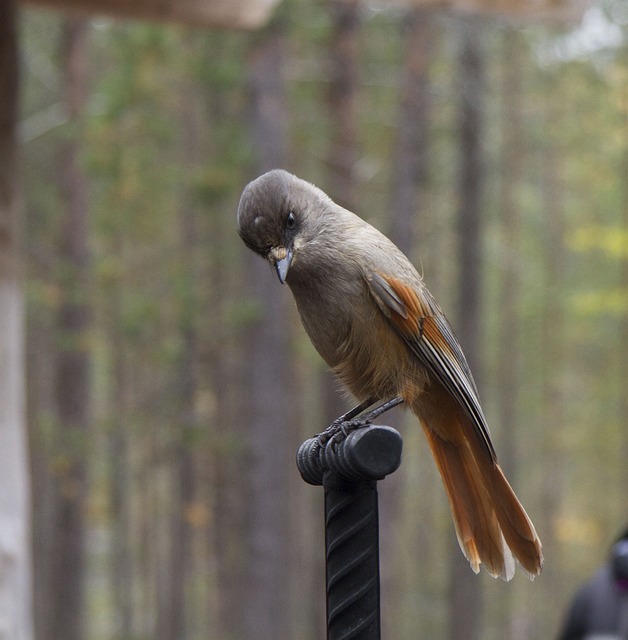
x=370, y=316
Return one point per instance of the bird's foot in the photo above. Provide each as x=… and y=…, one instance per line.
x=340, y=428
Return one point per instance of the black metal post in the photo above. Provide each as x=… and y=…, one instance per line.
x=349, y=471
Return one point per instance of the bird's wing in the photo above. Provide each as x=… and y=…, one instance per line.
x=426, y=331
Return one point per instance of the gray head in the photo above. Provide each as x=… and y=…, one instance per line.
x=278, y=213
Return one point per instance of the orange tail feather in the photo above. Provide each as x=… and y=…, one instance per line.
x=490, y=522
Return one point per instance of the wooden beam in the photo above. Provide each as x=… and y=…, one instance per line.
x=230, y=14
x=560, y=11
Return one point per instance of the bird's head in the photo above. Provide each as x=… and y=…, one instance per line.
x=278, y=214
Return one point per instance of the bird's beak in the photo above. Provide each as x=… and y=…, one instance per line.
x=282, y=259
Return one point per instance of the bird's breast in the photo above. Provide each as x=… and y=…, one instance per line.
x=353, y=336
x=325, y=311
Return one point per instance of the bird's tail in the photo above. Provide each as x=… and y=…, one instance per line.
x=490, y=522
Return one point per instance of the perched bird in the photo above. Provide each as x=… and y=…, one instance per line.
x=372, y=319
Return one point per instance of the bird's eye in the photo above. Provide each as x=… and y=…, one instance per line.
x=291, y=221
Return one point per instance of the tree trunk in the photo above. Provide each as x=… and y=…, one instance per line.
x=174, y=600
x=553, y=343
x=342, y=99
x=16, y=613
x=510, y=212
x=510, y=223
x=268, y=391
x=410, y=156
x=122, y=572
x=223, y=462
x=466, y=589
x=72, y=383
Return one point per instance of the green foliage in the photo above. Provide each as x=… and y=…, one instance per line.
x=611, y=242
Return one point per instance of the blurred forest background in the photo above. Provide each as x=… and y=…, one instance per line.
x=169, y=380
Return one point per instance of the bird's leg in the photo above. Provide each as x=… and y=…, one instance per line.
x=368, y=418
x=324, y=436
x=352, y=420
x=346, y=426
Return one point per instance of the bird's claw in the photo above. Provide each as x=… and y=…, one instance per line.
x=338, y=430
x=325, y=436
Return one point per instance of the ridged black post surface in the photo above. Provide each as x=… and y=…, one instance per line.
x=349, y=471
x=352, y=554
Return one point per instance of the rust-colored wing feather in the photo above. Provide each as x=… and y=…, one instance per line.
x=426, y=331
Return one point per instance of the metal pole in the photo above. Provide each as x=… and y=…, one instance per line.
x=349, y=471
